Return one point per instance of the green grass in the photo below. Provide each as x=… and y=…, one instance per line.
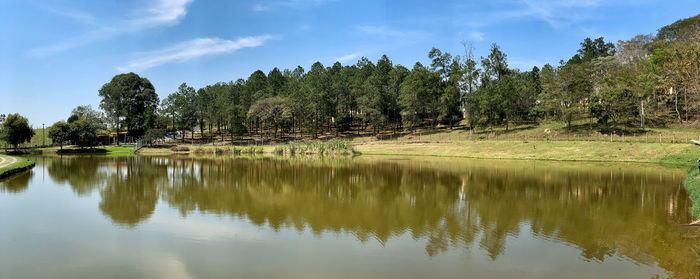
x=581, y=131
x=692, y=185
x=21, y=163
x=679, y=154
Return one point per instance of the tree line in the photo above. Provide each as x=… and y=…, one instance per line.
x=648, y=79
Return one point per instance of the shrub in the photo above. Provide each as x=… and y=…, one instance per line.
x=180, y=149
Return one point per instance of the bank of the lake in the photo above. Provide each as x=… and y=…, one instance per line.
x=10, y=165
x=664, y=153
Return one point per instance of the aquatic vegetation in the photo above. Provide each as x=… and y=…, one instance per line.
x=330, y=147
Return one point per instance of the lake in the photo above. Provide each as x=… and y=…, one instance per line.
x=363, y=217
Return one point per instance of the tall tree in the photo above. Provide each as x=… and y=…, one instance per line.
x=129, y=99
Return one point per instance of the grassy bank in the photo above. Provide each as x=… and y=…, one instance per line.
x=692, y=185
x=681, y=154
x=19, y=165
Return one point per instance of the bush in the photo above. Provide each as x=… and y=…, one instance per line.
x=331, y=147
x=180, y=149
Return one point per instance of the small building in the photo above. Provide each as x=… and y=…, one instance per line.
x=122, y=137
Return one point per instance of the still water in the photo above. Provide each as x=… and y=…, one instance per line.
x=364, y=217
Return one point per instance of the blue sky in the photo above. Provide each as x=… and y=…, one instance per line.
x=55, y=55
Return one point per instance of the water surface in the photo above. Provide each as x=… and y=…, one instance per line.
x=367, y=217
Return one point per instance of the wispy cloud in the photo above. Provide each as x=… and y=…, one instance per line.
x=191, y=49
x=349, y=57
x=385, y=31
x=476, y=35
x=158, y=13
x=268, y=6
x=557, y=14
x=77, y=15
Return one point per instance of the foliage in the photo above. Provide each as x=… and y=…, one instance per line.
x=152, y=135
x=60, y=132
x=129, y=100
x=615, y=105
x=15, y=130
x=330, y=147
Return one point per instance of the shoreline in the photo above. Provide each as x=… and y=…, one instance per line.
x=20, y=165
x=558, y=151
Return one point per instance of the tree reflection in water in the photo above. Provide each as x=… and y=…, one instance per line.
x=17, y=183
x=603, y=210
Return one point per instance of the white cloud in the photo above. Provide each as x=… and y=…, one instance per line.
x=162, y=12
x=476, y=35
x=348, y=57
x=67, y=12
x=555, y=13
x=191, y=49
x=260, y=8
x=385, y=31
x=158, y=13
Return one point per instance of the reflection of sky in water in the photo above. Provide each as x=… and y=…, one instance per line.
x=49, y=231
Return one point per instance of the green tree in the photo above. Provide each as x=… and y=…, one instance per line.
x=182, y=106
x=60, y=132
x=15, y=130
x=130, y=100
x=272, y=113
x=615, y=105
x=85, y=122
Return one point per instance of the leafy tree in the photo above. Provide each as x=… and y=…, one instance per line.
x=257, y=87
x=84, y=123
x=272, y=112
x=413, y=90
x=373, y=102
x=182, y=106
x=130, y=100
x=495, y=65
x=615, y=105
x=152, y=135
x=316, y=86
x=276, y=81
x=679, y=30
x=592, y=49
x=15, y=130
x=60, y=132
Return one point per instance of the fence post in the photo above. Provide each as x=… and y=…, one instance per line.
x=611, y=136
x=623, y=137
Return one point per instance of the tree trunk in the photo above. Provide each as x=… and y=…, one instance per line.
x=118, y=131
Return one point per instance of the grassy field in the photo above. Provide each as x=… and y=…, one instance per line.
x=683, y=154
